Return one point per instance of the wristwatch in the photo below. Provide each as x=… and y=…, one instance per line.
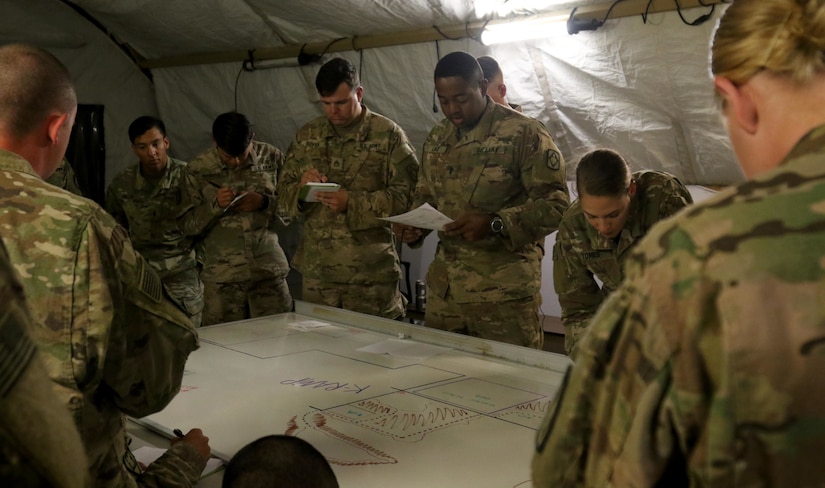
x=496, y=224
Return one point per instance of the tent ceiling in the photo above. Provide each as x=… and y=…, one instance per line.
x=639, y=87
x=153, y=27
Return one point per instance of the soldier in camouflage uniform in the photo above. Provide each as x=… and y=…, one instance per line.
x=146, y=199
x=346, y=255
x=706, y=366
x=244, y=268
x=615, y=209
x=112, y=342
x=39, y=443
x=496, y=88
x=501, y=177
x=64, y=177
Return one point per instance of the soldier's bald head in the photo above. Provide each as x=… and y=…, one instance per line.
x=33, y=85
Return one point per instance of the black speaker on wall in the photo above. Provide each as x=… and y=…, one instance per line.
x=87, y=151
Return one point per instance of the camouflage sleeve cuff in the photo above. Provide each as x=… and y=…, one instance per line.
x=180, y=466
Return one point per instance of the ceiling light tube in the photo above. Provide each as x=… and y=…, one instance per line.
x=520, y=30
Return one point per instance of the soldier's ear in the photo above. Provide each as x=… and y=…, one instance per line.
x=631, y=190
x=739, y=105
x=54, y=123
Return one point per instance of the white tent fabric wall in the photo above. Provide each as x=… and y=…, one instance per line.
x=642, y=89
x=397, y=83
x=103, y=74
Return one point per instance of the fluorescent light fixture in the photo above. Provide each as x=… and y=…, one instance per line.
x=504, y=8
x=522, y=30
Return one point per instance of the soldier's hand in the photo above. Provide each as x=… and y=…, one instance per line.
x=471, y=226
x=312, y=175
x=224, y=196
x=337, y=201
x=196, y=439
x=406, y=234
x=251, y=202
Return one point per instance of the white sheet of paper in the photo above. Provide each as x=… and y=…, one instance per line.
x=423, y=217
x=147, y=455
x=309, y=325
x=404, y=349
x=235, y=200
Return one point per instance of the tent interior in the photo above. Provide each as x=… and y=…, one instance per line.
x=639, y=83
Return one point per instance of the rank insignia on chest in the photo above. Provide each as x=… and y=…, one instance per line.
x=553, y=159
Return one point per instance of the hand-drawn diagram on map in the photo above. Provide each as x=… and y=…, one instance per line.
x=455, y=419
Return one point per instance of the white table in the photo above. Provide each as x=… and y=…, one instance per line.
x=466, y=416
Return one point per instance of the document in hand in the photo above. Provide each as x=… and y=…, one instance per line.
x=309, y=193
x=423, y=217
x=234, y=201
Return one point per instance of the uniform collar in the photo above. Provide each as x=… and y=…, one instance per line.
x=483, y=128
x=14, y=162
x=359, y=132
x=164, y=181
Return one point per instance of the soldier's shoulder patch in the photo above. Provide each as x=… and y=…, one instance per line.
x=553, y=159
x=149, y=282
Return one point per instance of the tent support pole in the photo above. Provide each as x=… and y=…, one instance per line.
x=626, y=8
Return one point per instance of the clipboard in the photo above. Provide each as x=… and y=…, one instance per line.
x=310, y=191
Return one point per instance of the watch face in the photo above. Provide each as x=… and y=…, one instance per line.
x=496, y=224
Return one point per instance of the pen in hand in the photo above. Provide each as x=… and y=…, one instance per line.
x=178, y=432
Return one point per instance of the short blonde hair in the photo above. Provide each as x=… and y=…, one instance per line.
x=785, y=37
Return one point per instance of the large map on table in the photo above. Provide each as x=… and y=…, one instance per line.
x=397, y=416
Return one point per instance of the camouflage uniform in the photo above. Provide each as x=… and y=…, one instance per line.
x=244, y=268
x=39, y=443
x=112, y=343
x=64, y=177
x=349, y=259
x=581, y=253
x=148, y=209
x=506, y=165
x=179, y=467
x=705, y=367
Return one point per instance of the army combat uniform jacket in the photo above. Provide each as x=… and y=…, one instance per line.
x=581, y=254
x=112, y=342
x=507, y=165
x=39, y=443
x=705, y=367
x=234, y=246
x=377, y=166
x=148, y=210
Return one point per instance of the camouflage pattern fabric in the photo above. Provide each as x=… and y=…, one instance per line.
x=376, y=164
x=581, y=254
x=64, y=177
x=229, y=302
x=507, y=165
x=112, y=342
x=39, y=443
x=381, y=299
x=235, y=247
x=704, y=367
x=510, y=321
x=148, y=209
